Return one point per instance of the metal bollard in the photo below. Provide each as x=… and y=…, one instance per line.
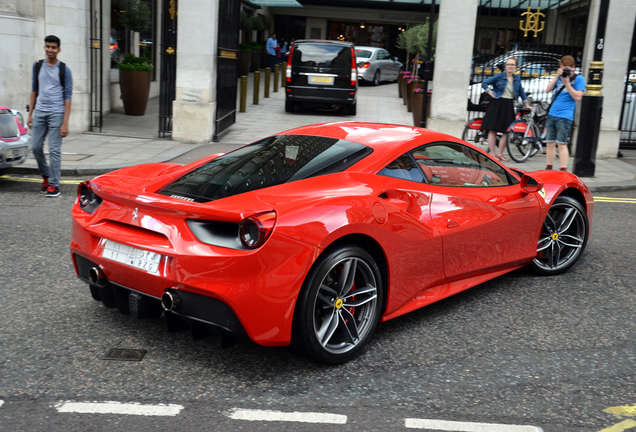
x=268, y=74
x=257, y=81
x=283, y=73
x=276, y=71
x=243, y=93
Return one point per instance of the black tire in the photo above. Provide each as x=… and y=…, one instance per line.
x=519, y=148
x=290, y=106
x=351, y=110
x=563, y=237
x=376, y=77
x=332, y=325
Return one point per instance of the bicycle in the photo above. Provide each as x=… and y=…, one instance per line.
x=526, y=135
x=473, y=133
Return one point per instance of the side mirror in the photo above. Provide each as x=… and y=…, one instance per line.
x=530, y=184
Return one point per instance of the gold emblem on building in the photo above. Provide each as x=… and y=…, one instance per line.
x=173, y=9
x=532, y=23
x=170, y=50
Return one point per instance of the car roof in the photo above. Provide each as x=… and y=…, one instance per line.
x=301, y=41
x=370, y=48
x=386, y=140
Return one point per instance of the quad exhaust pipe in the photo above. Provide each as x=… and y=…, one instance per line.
x=170, y=301
x=97, y=277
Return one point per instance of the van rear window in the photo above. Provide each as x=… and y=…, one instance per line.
x=321, y=55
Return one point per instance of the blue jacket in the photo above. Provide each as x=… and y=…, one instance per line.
x=499, y=83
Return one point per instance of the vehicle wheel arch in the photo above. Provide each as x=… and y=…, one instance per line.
x=372, y=247
x=573, y=193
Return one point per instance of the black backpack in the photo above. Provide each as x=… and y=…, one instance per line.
x=38, y=66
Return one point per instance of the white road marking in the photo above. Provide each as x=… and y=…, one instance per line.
x=1, y=402
x=302, y=417
x=444, y=425
x=118, y=408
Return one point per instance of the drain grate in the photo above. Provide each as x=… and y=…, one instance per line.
x=124, y=354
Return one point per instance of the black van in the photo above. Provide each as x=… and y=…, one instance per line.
x=321, y=73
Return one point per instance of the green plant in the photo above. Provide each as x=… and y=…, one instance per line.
x=246, y=21
x=258, y=22
x=267, y=22
x=135, y=15
x=134, y=63
x=245, y=48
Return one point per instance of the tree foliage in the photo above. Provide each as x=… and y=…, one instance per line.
x=135, y=15
x=415, y=39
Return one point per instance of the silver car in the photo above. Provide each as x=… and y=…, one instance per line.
x=376, y=65
x=14, y=140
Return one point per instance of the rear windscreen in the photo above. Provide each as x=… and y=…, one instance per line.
x=268, y=162
x=363, y=53
x=321, y=55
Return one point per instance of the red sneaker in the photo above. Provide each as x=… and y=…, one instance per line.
x=45, y=185
x=52, y=191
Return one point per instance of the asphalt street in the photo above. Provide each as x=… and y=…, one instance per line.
x=525, y=352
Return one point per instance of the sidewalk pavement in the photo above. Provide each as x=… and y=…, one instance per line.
x=130, y=140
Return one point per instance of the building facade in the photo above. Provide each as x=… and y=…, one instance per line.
x=92, y=40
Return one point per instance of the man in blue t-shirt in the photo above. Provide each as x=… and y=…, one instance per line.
x=569, y=89
x=53, y=99
x=271, y=46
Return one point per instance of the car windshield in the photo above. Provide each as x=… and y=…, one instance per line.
x=363, y=53
x=268, y=162
x=322, y=55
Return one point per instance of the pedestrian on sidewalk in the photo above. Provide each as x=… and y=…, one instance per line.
x=51, y=90
x=272, y=45
x=506, y=88
x=569, y=90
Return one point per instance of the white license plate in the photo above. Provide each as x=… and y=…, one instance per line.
x=138, y=258
x=322, y=80
x=16, y=153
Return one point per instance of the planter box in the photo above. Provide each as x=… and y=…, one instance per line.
x=245, y=62
x=135, y=87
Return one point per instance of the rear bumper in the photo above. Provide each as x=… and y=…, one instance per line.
x=320, y=95
x=197, y=312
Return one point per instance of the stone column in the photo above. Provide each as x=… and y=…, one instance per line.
x=453, y=60
x=616, y=51
x=194, y=107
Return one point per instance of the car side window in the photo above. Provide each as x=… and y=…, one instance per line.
x=453, y=164
x=383, y=55
x=403, y=168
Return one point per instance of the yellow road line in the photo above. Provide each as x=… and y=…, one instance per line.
x=620, y=427
x=615, y=199
x=622, y=410
x=36, y=180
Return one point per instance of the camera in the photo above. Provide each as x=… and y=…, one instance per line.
x=566, y=72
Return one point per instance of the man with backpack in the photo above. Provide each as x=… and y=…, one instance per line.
x=51, y=90
x=569, y=90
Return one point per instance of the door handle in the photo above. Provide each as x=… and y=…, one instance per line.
x=452, y=224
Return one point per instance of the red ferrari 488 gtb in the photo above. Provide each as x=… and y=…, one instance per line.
x=312, y=236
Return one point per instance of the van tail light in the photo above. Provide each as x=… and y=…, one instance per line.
x=354, y=69
x=289, y=62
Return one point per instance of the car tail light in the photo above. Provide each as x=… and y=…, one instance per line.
x=364, y=65
x=86, y=198
x=256, y=229
x=288, y=68
x=354, y=69
x=113, y=46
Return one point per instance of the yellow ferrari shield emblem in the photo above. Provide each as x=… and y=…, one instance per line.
x=555, y=236
x=339, y=303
